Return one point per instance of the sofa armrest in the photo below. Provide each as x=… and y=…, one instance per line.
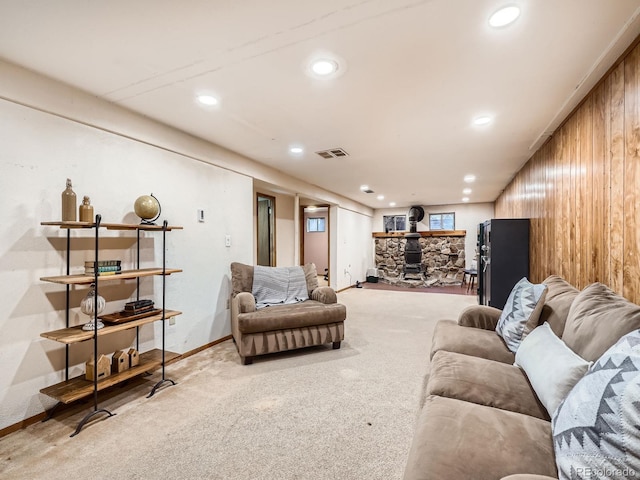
x=324, y=295
x=527, y=476
x=480, y=316
x=246, y=302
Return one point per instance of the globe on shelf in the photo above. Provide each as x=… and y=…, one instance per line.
x=147, y=207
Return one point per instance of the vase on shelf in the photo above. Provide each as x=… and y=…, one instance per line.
x=68, y=203
x=86, y=210
x=91, y=304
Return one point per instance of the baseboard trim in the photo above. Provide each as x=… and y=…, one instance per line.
x=346, y=288
x=41, y=416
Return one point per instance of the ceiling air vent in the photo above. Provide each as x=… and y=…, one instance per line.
x=332, y=153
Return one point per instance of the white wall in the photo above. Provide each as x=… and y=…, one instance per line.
x=353, y=246
x=468, y=216
x=285, y=236
x=50, y=131
x=39, y=151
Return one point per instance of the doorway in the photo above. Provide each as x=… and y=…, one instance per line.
x=314, y=241
x=266, y=230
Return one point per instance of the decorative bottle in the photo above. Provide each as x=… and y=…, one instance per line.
x=68, y=204
x=85, y=210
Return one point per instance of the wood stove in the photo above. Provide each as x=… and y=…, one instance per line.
x=412, y=249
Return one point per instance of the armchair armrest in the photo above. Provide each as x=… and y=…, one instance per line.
x=480, y=316
x=246, y=302
x=324, y=295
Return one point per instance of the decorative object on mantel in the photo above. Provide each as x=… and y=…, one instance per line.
x=68, y=203
x=85, y=210
x=89, y=305
x=147, y=207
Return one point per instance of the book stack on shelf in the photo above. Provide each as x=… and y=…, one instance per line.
x=103, y=267
x=138, y=307
x=132, y=311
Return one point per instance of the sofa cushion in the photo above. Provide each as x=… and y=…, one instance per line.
x=598, y=318
x=557, y=302
x=521, y=313
x=551, y=367
x=460, y=440
x=596, y=429
x=485, y=382
x=280, y=317
x=476, y=342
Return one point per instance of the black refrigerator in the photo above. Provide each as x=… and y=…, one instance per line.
x=503, y=251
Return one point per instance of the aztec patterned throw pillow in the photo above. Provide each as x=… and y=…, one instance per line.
x=521, y=313
x=596, y=429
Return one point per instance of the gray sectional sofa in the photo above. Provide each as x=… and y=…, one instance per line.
x=481, y=417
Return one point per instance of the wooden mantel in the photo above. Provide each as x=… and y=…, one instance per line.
x=430, y=233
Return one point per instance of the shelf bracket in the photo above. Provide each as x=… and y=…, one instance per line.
x=158, y=385
x=87, y=417
x=51, y=412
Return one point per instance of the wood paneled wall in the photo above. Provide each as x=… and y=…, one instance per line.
x=581, y=190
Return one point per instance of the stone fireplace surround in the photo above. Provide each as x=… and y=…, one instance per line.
x=443, y=258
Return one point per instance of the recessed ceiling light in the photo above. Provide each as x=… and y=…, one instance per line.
x=504, y=16
x=312, y=208
x=484, y=120
x=465, y=199
x=466, y=191
x=207, y=100
x=392, y=204
x=364, y=187
x=469, y=178
x=380, y=197
x=296, y=150
x=324, y=67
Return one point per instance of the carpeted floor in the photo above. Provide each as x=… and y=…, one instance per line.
x=311, y=414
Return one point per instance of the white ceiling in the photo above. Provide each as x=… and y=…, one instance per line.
x=414, y=73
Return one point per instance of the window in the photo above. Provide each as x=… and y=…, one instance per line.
x=394, y=223
x=315, y=224
x=442, y=221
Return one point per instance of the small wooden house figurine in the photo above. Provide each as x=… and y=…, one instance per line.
x=104, y=367
x=119, y=362
x=134, y=357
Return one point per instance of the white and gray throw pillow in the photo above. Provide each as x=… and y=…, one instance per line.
x=521, y=313
x=552, y=368
x=596, y=429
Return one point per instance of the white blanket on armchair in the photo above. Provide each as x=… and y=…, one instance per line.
x=278, y=285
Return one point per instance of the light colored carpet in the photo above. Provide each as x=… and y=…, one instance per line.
x=312, y=414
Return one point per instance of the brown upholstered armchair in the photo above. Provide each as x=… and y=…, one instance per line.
x=278, y=328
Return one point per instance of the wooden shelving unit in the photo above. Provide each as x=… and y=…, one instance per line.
x=72, y=389
x=78, y=388
x=76, y=334
x=124, y=275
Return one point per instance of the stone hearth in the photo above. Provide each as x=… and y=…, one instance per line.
x=443, y=260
